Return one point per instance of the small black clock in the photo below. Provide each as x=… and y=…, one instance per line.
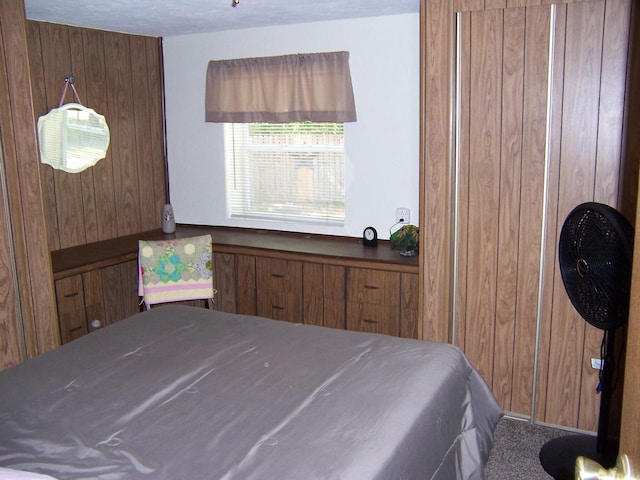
x=370, y=237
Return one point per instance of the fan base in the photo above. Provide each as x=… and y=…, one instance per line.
x=558, y=456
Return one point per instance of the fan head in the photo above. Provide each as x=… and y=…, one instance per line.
x=596, y=253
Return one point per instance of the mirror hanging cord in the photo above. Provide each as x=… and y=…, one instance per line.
x=70, y=80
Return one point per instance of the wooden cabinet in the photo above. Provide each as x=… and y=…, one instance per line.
x=279, y=289
x=324, y=295
x=381, y=301
x=329, y=282
x=373, y=301
x=96, y=298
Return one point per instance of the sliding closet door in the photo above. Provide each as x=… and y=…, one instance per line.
x=530, y=127
x=502, y=132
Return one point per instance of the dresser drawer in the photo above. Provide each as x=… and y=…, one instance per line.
x=373, y=318
x=373, y=286
x=279, y=289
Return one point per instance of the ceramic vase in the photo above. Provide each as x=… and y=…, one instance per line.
x=168, y=220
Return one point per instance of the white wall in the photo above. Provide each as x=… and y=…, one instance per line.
x=382, y=147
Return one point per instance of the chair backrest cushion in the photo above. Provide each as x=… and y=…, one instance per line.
x=175, y=270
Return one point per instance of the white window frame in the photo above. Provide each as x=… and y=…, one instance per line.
x=297, y=187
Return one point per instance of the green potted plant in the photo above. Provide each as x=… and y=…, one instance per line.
x=405, y=239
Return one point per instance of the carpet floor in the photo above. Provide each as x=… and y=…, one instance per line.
x=516, y=448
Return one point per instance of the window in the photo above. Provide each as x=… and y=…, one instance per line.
x=286, y=171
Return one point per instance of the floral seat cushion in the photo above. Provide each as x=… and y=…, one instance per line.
x=175, y=270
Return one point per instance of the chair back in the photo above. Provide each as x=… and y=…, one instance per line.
x=175, y=270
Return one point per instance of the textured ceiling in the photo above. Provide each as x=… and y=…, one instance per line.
x=163, y=18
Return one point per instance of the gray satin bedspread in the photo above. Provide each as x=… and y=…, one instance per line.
x=187, y=393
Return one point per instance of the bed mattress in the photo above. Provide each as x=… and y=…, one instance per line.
x=188, y=393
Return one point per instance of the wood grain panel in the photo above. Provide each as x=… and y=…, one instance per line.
x=120, y=76
x=70, y=299
x=159, y=179
x=566, y=393
x=552, y=220
x=279, y=289
x=510, y=188
x=122, y=111
x=101, y=190
x=463, y=137
x=409, y=305
x=11, y=343
x=24, y=194
x=436, y=183
x=335, y=291
x=484, y=175
x=531, y=206
x=246, y=284
x=93, y=299
x=589, y=56
x=224, y=270
x=313, y=293
x=58, y=64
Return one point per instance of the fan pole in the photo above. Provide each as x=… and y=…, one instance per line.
x=558, y=456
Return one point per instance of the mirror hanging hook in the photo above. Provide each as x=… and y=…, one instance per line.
x=69, y=80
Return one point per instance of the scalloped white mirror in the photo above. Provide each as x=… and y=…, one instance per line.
x=72, y=137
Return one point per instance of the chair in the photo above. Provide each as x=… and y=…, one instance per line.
x=176, y=270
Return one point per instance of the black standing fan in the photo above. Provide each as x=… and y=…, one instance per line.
x=595, y=253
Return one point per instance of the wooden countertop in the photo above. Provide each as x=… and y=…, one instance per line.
x=291, y=246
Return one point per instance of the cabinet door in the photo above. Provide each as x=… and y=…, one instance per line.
x=245, y=284
x=324, y=295
x=71, y=312
x=373, y=301
x=224, y=270
x=409, y=292
x=279, y=289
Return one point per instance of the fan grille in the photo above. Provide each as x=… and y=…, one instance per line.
x=595, y=253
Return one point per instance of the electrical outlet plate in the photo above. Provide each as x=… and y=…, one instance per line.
x=403, y=215
x=596, y=363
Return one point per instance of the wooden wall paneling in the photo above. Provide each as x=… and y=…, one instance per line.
x=40, y=104
x=551, y=275
x=568, y=393
x=58, y=64
x=224, y=268
x=24, y=194
x=611, y=111
x=159, y=180
x=531, y=206
x=484, y=176
x=150, y=215
x=631, y=139
x=510, y=188
x=435, y=176
x=629, y=438
x=95, y=88
x=463, y=111
x=123, y=135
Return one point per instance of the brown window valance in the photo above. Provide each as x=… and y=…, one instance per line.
x=291, y=88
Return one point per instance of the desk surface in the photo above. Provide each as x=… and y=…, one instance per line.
x=287, y=245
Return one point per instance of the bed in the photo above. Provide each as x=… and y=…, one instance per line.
x=188, y=393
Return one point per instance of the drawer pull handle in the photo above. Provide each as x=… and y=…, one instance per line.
x=75, y=329
x=371, y=287
x=370, y=321
x=69, y=295
x=277, y=275
x=276, y=307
